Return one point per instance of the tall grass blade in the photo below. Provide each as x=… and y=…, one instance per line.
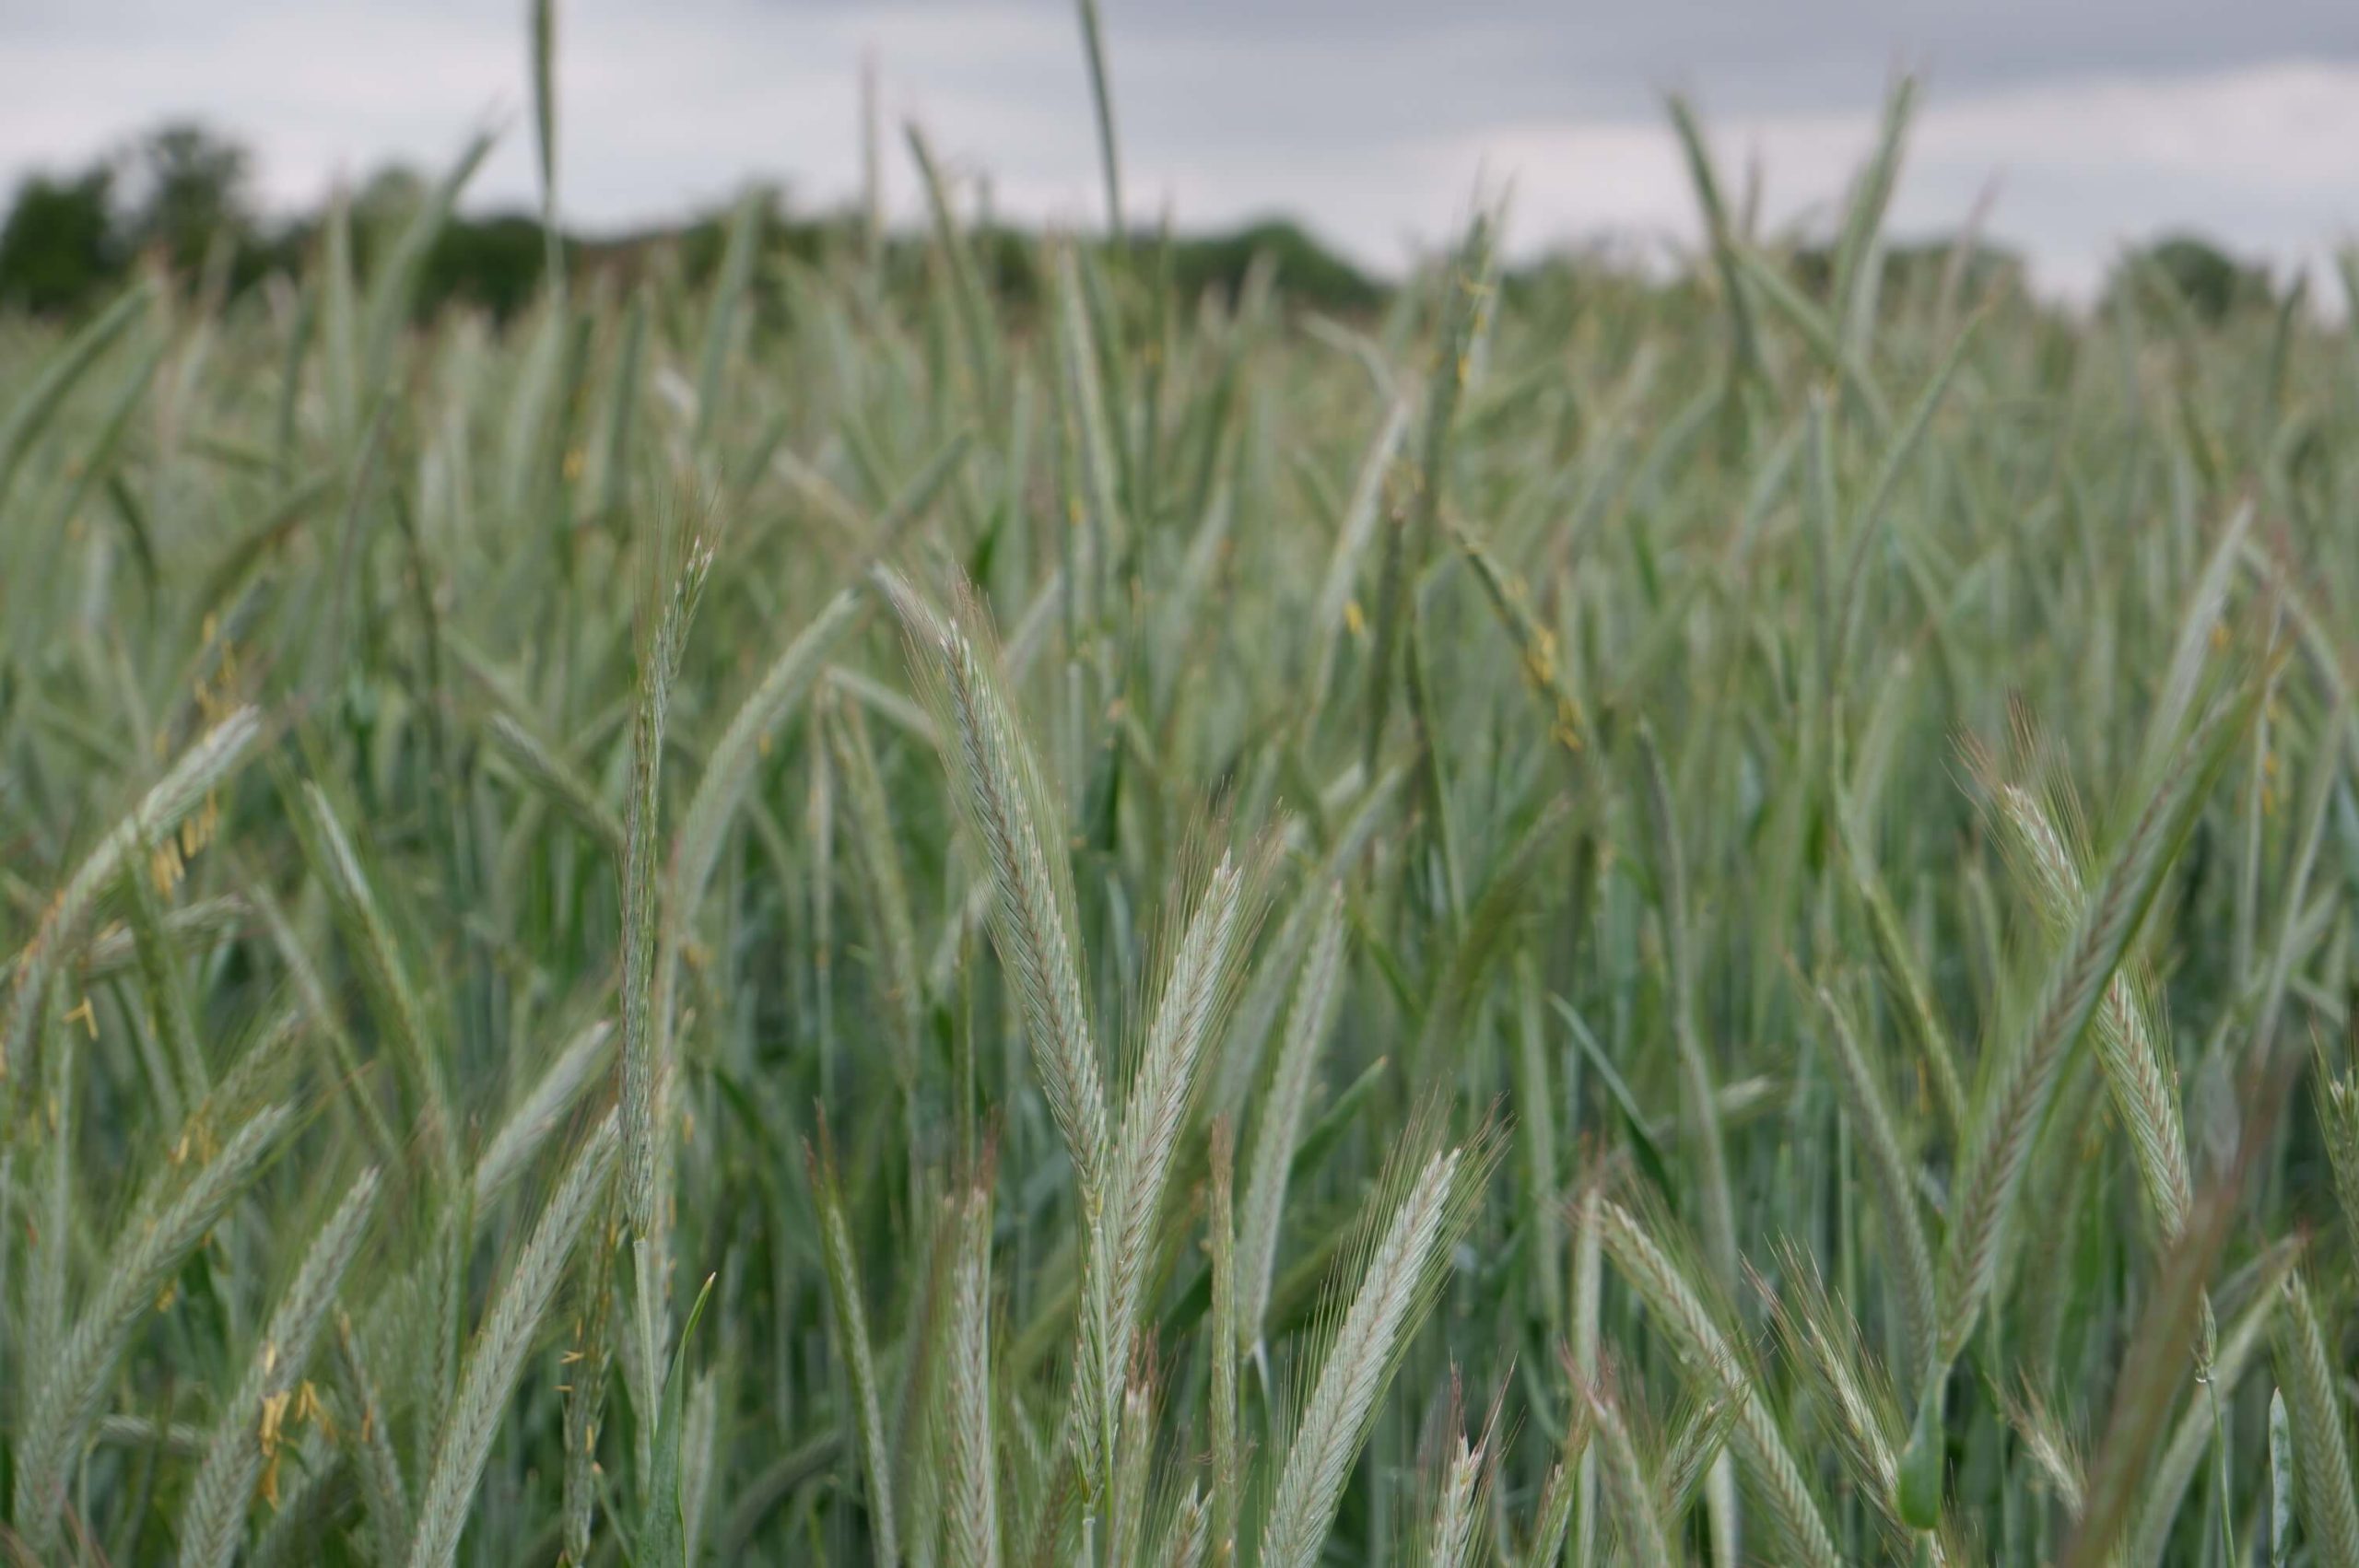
x=1101, y=98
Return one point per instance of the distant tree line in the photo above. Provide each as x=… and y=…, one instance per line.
x=177, y=192
x=182, y=195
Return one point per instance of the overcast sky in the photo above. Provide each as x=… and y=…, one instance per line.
x=1375, y=122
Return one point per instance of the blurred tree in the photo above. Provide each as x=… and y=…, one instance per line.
x=1303, y=269
x=2210, y=281
x=183, y=193
x=59, y=247
x=494, y=263
x=1915, y=270
x=1927, y=264
x=192, y=194
x=385, y=206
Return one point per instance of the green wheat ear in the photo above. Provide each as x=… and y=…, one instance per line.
x=2338, y=1109
x=368, y=1438
x=1892, y=1183
x=1634, y=1496
x=970, y=1502
x=1396, y=1284
x=1463, y=874
x=247, y=1436
x=1695, y=1325
x=2321, y=1453
x=171, y=1220
x=2024, y=1072
x=1277, y=1121
x=496, y=1361
x=201, y=770
x=849, y=1326
x=1002, y=797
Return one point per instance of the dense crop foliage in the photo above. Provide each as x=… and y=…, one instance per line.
x=821, y=915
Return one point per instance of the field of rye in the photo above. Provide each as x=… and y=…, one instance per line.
x=806, y=911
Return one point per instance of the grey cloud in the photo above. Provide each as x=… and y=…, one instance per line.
x=1371, y=119
x=1366, y=75
x=1529, y=56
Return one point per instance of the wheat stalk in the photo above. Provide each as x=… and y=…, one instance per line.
x=1903, y=974
x=1458, y=1513
x=729, y=767
x=165, y=1227
x=1006, y=809
x=248, y=1434
x=1891, y=1184
x=850, y=1324
x=1153, y=1117
x=497, y=1360
x=2306, y=1376
x=971, y=1500
x=1126, y=1492
x=167, y=999
x=199, y=771
x=1584, y=1363
x=1700, y=1097
x=1279, y=973
x=1560, y=1493
x=391, y=992
x=585, y=1403
x=2237, y=1348
x=1709, y=1354
x=1358, y=525
x=559, y=778
x=385, y=1495
x=1824, y=1341
x=2143, y=1090
x=53, y=1178
x=1395, y=1289
x=2281, y=1483
x=1225, y=1347
x=2024, y=1078
x=193, y=926
x=536, y=1115
x=1186, y=1536
x=2050, y=1448
x=1632, y=1491
x=2338, y=1109
x=649, y=1061
x=1278, y=1120
x=883, y=893
x=308, y=1509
